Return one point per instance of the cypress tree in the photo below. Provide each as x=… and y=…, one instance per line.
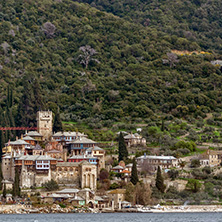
x=1, y=176
x=39, y=102
x=4, y=191
x=16, y=188
x=57, y=124
x=26, y=115
x=9, y=101
x=162, y=125
x=123, y=153
x=134, y=176
x=2, y=143
x=160, y=181
x=8, y=97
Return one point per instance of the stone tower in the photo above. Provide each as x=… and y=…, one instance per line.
x=44, y=123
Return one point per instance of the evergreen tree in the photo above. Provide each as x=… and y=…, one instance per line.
x=4, y=191
x=162, y=125
x=9, y=97
x=39, y=102
x=2, y=143
x=57, y=124
x=26, y=115
x=12, y=124
x=16, y=188
x=123, y=153
x=134, y=176
x=160, y=181
x=1, y=176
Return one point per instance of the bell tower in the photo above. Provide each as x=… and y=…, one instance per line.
x=44, y=123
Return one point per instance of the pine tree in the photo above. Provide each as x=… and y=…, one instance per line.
x=57, y=124
x=4, y=191
x=16, y=188
x=123, y=153
x=134, y=175
x=160, y=181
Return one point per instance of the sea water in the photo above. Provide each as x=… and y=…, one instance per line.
x=114, y=217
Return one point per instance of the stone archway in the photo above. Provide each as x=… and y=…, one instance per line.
x=90, y=204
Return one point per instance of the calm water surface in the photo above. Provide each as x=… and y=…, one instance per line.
x=116, y=217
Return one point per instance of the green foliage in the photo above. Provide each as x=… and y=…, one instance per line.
x=57, y=124
x=193, y=185
x=134, y=175
x=184, y=18
x=195, y=163
x=123, y=153
x=138, y=194
x=62, y=205
x=173, y=174
x=4, y=191
x=209, y=188
x=160, y=181
x=39, y=53
x=16, y=191
x=191, y=146
x=114, y=186
x=1, y=176
x=51, y=185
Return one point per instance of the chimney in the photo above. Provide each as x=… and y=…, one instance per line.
x=22, y=137
x=16, y=138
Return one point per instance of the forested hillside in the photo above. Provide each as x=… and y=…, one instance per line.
x=96, y=66
x=195, y=20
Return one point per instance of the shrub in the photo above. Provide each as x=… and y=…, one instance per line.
x=51, y=185
x=195, y=163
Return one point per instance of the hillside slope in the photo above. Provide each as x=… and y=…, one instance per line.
x=192, y=19
x=131, y=75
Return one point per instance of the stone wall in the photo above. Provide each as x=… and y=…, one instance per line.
x=30, y=178
x=44, y=123
x=88, y=174
x=67, y=175
x=80, y=175
x=8, y=169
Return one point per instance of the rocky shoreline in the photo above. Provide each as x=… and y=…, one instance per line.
x=21, y=209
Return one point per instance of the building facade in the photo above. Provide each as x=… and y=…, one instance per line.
x=44, y=124
x=165, y=162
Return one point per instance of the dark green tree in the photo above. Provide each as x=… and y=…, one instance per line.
x=26, y=115
x=1, y=176
x=123, y=153
x=2, y=143
x=57, y=124
x=160, y=181
x=134, y=175
x=4, y=191
x=162, y=125
x=195, y=163
x=16, y=188
x=51, y=185
x=39, y=102
x=193, y=185
x=9, y=97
